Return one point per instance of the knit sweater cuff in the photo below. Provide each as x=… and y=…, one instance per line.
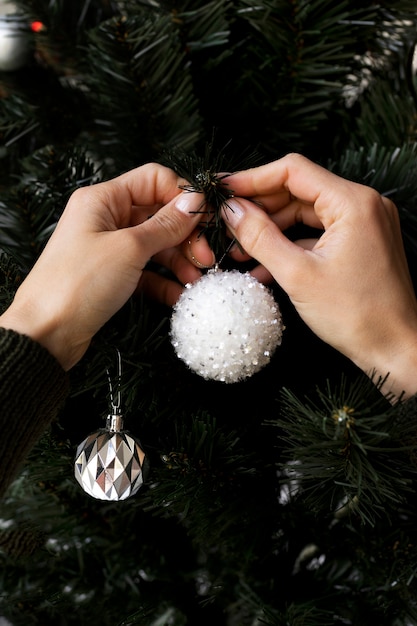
x=33, y=389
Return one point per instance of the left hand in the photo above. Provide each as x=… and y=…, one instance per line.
x=95, y=258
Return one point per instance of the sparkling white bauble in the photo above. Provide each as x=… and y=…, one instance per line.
x=226, y=326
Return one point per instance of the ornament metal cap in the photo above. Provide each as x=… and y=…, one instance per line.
x=114, y=423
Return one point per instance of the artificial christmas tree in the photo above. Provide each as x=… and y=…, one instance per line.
x=286, y=498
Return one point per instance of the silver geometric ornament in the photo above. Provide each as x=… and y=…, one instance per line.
x=109, y=463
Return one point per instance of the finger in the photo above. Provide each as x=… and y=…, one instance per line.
x=174, y=260
x=198, y=251
x=142, y=213
x=264, y=241
x=159, y=288
x=262, y=274
x=149, y=184
x=259, y=271
x=237, y=253
x=294, y=176
x=306, y=244
x=294, y=212
x=169, y=226
x=292, y=173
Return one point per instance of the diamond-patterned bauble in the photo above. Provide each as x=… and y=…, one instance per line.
x=108, y=463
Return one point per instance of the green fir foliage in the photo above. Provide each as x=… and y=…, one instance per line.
x=345, y=452
x=285, y=500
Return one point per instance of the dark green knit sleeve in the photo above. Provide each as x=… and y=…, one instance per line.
x=33, y=387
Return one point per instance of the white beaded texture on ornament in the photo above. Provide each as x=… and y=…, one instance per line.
x=226, y=326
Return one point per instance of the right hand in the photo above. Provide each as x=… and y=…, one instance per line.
x=351, y=285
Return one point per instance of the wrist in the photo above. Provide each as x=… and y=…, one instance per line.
x=36, y=324
x=395, y=368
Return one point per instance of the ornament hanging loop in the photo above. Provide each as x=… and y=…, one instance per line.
x=114, y=421
x=224, y=255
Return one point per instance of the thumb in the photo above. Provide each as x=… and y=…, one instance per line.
x=170, y=225
x=261, y=238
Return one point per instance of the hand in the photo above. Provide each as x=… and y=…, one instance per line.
x=94, y=260
x=183, y=260
x=351, y=285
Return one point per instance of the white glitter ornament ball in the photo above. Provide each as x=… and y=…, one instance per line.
x=226, y=326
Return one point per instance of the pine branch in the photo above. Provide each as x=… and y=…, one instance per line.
x=285, y=59
x=128, y=81
x=387, y=116
x=346, y=451
x=15, y=113
x=60, y=42
x=139, y=333
x=17, y=125
x=38, y=111
x=138, y=61
x=204, y=464
x=207, y=26
x=10, y=279
x=29, y=211
x=205, y=173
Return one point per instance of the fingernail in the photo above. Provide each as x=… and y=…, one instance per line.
x=189, y=202
x=233, y=211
